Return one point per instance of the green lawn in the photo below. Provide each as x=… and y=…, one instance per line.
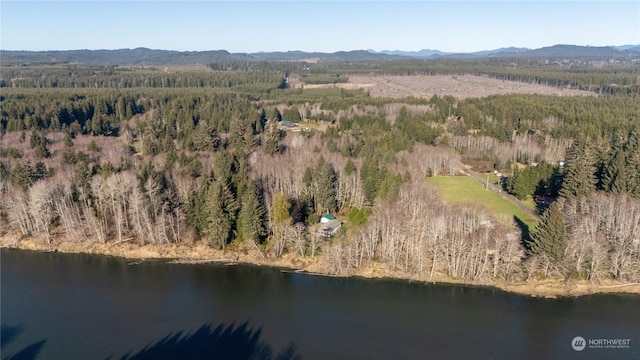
x=309, y=124
x=464, y=189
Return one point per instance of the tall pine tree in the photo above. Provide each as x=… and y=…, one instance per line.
x=580, y=170
x=613, y=178
x=221, y=209
x=550, y=237
x=251, y=218
x=371, y=176
x=271, y=138
x=240, y=135
x=632, y=164
x=326, y=184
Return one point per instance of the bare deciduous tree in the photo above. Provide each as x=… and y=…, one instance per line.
x=41, y=208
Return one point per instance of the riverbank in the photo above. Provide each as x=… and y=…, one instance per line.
x=200, y=252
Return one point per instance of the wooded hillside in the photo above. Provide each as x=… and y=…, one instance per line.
x=228, y=154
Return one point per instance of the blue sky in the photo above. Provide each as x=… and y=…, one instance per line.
x=325, y=26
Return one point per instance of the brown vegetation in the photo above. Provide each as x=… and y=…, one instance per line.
x=458, y=86
x=201, y=252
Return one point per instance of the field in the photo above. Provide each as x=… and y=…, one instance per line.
x=464, y=189
x=460, y=86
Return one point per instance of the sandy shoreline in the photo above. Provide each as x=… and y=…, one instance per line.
x=200, y=252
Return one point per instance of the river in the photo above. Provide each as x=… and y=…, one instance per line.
x=74, y=306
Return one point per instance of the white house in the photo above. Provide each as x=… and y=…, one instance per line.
x=330, y=228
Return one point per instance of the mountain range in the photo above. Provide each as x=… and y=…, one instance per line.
x=427, y=53
x=570, y=51
x=144, y=56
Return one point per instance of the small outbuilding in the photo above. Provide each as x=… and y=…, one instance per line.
x=326, y=218
x=288, y=124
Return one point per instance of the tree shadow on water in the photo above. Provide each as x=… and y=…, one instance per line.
x=230, y=342
x=8, y=334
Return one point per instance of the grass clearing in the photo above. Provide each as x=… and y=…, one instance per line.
x=309, y=124
x=464, y=189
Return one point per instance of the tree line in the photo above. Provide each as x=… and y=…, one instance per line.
x=113, y=77
x=620, y=78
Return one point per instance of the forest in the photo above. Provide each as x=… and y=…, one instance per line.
x=230, y=155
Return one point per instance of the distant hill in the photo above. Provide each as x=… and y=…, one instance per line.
x=556, y=51
x=424, y=53
x=428, y=53
x=144, y=56
x=574, y=51
x=356, y=55
x=635, y=49
x=501, y=51
x=138, y=56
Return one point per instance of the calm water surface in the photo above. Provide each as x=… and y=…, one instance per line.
x=63, y=306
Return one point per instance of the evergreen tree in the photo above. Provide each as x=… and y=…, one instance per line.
x=349, y=167
x=35, y=139
x=221, y=209
x=240, y=135
x=204, y=138
x=39, y=171
x=224, y=167
x=251, y=218
x=81, y=181
x=21, y=175
x=307, y=178
x=632, y=164
x=390, y=186
x=283, y=83
x=550, y=237
x=579, y=178
x=240, y=178
x=554, y=183
x=100, y=125
x=5, y=175
x=520, y=184
x=261, y=122
x=42, y=151
x=326, y=182
x=93, y=147
x=613, y=178
x=632, y=174
x=371, y=176
x=291, y=114
x=271, y=139
x=275, y=115
x=68, y=142
x=40, y=144
x=196, y=215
